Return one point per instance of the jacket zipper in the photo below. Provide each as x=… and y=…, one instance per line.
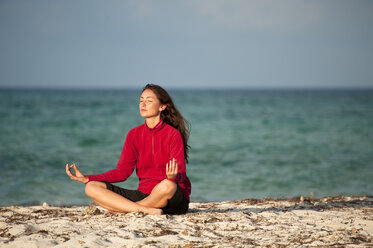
x=152, y=144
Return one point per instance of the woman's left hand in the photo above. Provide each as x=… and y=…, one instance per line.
x=171, y=169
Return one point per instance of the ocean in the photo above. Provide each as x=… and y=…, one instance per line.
x=244, y=143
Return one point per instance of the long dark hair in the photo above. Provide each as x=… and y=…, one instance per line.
x=171, y=115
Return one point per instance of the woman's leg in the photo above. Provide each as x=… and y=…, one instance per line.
x=114, y=202
x=160, y=194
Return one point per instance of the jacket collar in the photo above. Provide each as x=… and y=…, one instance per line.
x=157, y=127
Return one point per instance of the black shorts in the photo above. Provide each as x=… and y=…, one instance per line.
x=176, y=205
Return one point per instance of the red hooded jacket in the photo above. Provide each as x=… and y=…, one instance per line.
x=149, y=150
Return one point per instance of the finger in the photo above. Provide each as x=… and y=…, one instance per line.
x=75, y=168
x=173, y=166
x=176, y=167
x=169, y=169
x=68, y=170
x=70, y=174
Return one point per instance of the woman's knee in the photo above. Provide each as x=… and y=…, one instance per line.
x=91, y=188
x=166, y=187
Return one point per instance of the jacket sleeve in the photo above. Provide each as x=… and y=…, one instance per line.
x=125, y=165
x=177, y=152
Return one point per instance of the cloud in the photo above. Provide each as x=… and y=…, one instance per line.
x=259, y=14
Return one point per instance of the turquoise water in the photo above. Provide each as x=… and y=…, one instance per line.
x=244, y=143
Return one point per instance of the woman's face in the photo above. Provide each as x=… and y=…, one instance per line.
x=150, y=106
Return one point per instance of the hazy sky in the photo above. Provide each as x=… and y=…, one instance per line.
x=196, y=43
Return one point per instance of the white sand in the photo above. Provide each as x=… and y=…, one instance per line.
x=337, y=221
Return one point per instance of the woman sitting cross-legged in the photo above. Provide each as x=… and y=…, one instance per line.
x=158, y=149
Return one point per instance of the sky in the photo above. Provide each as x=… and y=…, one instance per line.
x=186, y=44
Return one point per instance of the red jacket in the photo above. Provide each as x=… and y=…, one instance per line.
x=149, y=150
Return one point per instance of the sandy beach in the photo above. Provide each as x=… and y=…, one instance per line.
x=302, y=221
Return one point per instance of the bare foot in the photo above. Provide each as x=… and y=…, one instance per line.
x=154, y=211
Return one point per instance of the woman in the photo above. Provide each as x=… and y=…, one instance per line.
x=159, y=150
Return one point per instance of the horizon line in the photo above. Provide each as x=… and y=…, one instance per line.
x=173, y=88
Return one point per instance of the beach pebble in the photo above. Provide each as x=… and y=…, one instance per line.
x=7, y=213
x=17, y=230
x=3, y=225
x=46, y=205
x=92, y=210
x=340, y=228
x=332, y=238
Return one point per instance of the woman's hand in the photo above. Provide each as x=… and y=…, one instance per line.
x=78, y=175
x=171, y=169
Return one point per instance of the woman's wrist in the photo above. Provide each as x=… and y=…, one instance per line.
x=86, y=180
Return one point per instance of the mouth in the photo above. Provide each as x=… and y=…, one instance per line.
x=143, y=110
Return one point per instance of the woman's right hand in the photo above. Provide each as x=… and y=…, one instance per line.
x=78, y=175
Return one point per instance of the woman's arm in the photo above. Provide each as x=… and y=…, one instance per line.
x=125, y=165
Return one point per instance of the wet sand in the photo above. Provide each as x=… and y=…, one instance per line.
x=299, y=222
